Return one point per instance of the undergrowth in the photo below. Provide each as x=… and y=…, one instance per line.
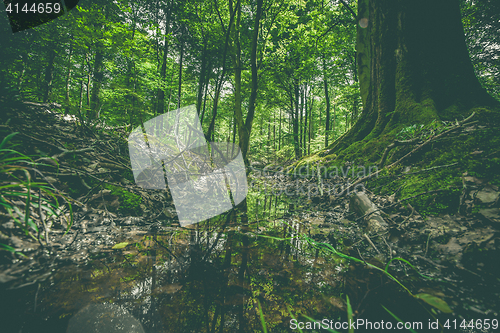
x=33, y=205
x=130, y=203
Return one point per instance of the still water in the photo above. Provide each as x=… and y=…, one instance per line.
x=223, y=275
x=253, y=269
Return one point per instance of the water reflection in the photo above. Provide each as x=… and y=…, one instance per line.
x=104, y=318
x=204, y=279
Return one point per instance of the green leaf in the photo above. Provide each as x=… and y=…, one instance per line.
x=7, y=248
x=438, y=303
x=11, y=249
x=120, y=246
x=7, y=139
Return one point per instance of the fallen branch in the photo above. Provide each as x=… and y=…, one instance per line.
x=396, y=143
x=66, y=151
x=402, y=200
x=371, y=243
x=460, y=124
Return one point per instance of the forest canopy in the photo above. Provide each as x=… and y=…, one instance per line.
x=282, y=76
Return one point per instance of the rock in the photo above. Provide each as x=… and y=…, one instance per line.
x=257, y=165
x=362, y=205
x=452, y=247
x=104, y=318
x=491, y=214
x=487, y=195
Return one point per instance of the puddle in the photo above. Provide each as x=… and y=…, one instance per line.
x=213, y=277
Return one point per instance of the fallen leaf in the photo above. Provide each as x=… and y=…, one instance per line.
x=120, y=246
x=438, y=303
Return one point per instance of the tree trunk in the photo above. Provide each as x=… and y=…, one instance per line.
x=163, y=72
x=295, y=120
x=68, y=77
x=238, y=114
x=180, y=76
x=311, y=104
x=246, y=128
x=96, y=86
x=221, y=81
x=279, y=134
x=49, y=73
x=87, y=85
x=327, y=101
x=413, y=67
x=201, y=81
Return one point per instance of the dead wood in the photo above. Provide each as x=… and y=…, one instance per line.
x=361, y=204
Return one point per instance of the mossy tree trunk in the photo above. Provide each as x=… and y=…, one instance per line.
x=413, y=67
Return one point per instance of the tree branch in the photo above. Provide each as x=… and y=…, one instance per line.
x=350, y=9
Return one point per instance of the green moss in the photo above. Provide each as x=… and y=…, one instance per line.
x=469, y=152
x=475, y=151
x=130, y=203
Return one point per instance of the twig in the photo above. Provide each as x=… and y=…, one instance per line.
x=47, y=240
x=350, y=9
x=462, y=197
x=427, y=245
x=76, y=171
x=72, y=241
x=66, y=151
x=371, y=243
x=388, y=246
x=429, y=261
x=408, y=217
x=396, y=143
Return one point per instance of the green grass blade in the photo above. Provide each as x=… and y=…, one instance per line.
x=408, y=263
x=262, y=320
x=349, y=314
x=11, y=249
x=314, y=320
x=291, y=315
x=27, y=208
x=7, y=139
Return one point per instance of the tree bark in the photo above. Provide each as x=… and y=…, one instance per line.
x=160, y=109
x=413, y=67
x=180, y=75
x=295, y=120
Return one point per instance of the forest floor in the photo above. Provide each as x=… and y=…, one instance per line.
x=89, y=168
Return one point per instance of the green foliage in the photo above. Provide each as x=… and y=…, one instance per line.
x=421, y=131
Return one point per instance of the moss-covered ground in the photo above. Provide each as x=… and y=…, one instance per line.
x=472, y=150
